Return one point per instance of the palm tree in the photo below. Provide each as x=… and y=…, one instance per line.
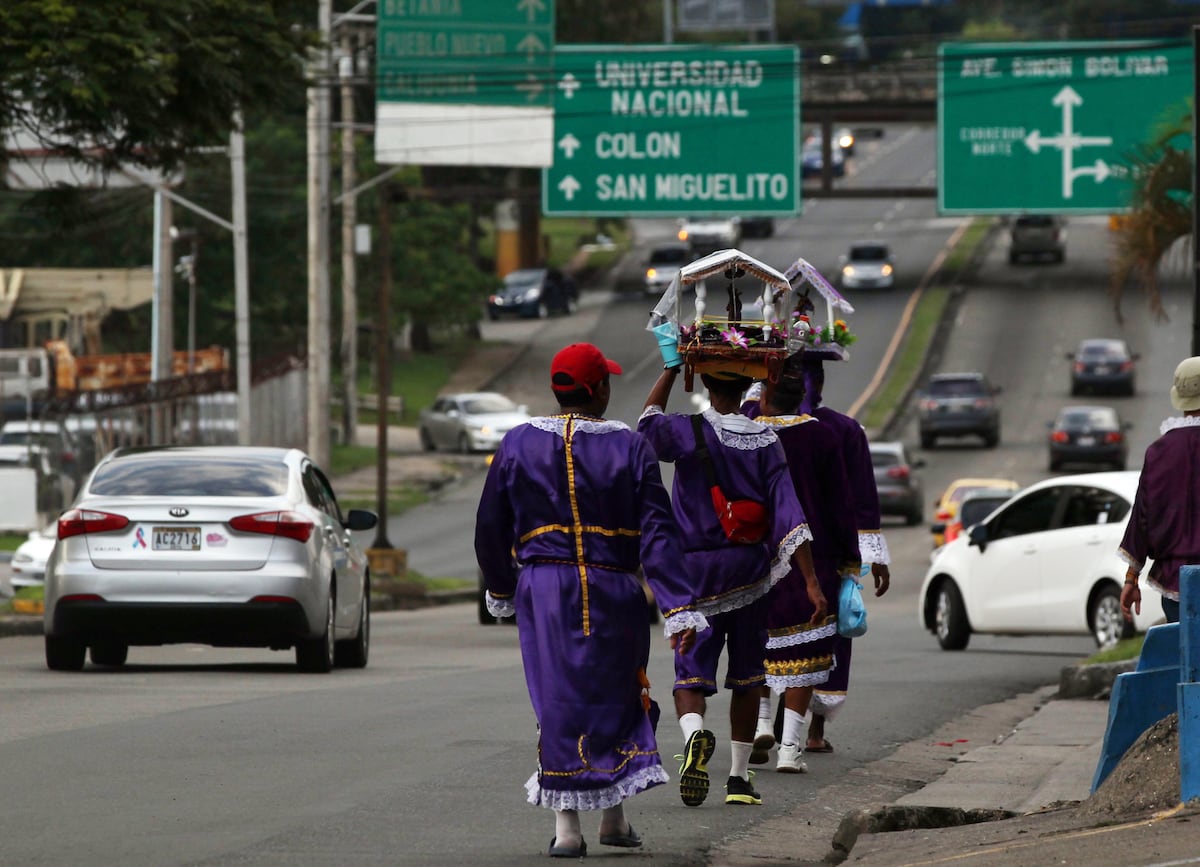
x=1160, y=212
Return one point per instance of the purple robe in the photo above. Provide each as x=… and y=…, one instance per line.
x=1164, y=524
x=749, y=465
x=580, y=502
x=798, y=652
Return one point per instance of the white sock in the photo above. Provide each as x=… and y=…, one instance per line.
x=764, y=709
x=793, y=726
x=739, y=759
x=690, y=723
x=566, y=828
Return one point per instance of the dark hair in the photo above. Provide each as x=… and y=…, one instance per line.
x=786, y=396
x=730, y=388
x=576, y=397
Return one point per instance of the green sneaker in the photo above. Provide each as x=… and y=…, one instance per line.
x=739, y=791
x=693, y=773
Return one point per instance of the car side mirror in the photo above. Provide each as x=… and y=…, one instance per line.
x=1128, y=425
x=360, y=519
x=1070, y=356
x=917, y=463
x=978, y=536
x=996, y=389
x=1137, y=356
x=1049, y=425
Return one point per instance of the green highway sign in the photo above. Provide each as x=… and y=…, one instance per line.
x=477, y=52
x=674, y=130
x=1050, y=127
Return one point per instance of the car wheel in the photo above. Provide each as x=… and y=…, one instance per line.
x=464, y=444
x=353, y=652
x=992, y=439
x=64, y=654
x=572, y=305
x=109, y=653
x=1052, y=466
x=914, y=518
x=543, y=310
x=1120, y=466
x=950, y=625
x=427, y=442
x=1014, y=258
x=928, y=441
x=315, y=655
x=1107, y=623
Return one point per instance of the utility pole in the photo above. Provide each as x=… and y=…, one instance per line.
x=241, y=278
x=349, y=272
x=318, y=243
x=383, y=361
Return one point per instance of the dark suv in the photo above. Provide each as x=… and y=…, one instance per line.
x=1037, y=235
x=534, y=292
x=959, y=404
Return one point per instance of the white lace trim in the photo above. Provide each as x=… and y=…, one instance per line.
x=1170, y=594
x=594, y=799
x=1128, y=559
x=499, y=607
x=557, y=424
x=808, y=635
x=779, y=683
x=685, y=620
x=754, y=392
x=735, y=431
x=782, y=564
x=1179, y=421
x=652, y=409
x=827, y=704
x=873, y=548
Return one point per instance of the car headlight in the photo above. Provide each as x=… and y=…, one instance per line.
x=651, y=273
x=531, y=294
x=887, y=270
x=848, y=270
x=683, y=234
x=846, y=140
x=485, y=430
x=21, y=558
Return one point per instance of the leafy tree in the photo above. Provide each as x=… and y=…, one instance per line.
x=1160, y=212
x=144, y=81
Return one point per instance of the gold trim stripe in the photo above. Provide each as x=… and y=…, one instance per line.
x=577, y=522
x=587, y=528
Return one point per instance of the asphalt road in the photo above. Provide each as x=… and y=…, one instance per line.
x=194, y=755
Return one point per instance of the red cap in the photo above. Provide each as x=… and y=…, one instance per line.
x=580, y=365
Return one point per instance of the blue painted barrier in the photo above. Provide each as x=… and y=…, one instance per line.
x=1165, y=682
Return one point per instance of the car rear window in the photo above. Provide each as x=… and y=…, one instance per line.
x=1035, y=222
x=1101, y=350
x=1089, y=418
x=884, y=459
x=491, y=403
x=955, y=387
x=190, y=477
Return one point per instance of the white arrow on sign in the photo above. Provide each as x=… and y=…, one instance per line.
x=569, y=187
x=1068, y=141
x=568, y=85
x=531, y=45
x=531, y=87
x=531, y=8
x=569, y=145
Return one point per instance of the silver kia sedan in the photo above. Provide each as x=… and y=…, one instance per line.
x=230, y=546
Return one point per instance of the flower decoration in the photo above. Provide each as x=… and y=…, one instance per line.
x=735, y=338
x=687, y=333
x=838, y=333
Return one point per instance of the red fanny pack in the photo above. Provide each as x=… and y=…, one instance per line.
x=744, y=521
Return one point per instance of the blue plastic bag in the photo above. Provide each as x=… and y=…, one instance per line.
x=852, y=611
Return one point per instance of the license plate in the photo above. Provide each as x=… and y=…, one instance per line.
x=1086, y=441
x=1101, y=370
x=176, y=538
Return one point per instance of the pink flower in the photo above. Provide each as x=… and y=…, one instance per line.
x=735, y=338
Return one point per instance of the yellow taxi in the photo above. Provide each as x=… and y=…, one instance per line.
x=946, y=507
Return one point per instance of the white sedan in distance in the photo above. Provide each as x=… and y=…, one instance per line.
x=1044, y=563
x=471, y=422
x=230, y=546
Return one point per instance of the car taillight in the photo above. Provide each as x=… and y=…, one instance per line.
x=290, y=524
x=80, y=522
x=929, y=404
x=897, y=472
x=952, y=531
x=982, y=403
x=1079, y=367
x=1126, y=366
x=1113, y=436
x=942, y=516
x=1060, y=436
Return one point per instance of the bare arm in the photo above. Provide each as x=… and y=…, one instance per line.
x=662, y=388
x=802, y=559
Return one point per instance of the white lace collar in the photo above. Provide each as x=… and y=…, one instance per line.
x=1179, y=421
x=557, y=424
x=738, y=432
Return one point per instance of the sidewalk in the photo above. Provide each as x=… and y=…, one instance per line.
x=1018, y=773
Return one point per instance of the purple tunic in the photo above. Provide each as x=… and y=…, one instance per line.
x=581, y=503
x=749, y=465
x=1165, y=522
x=799, y=653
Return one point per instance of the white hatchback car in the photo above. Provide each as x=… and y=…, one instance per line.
x=1043, y=563
x=231, y=546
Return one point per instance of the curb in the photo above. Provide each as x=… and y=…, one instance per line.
x=20, y=625
x=1092, y=681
